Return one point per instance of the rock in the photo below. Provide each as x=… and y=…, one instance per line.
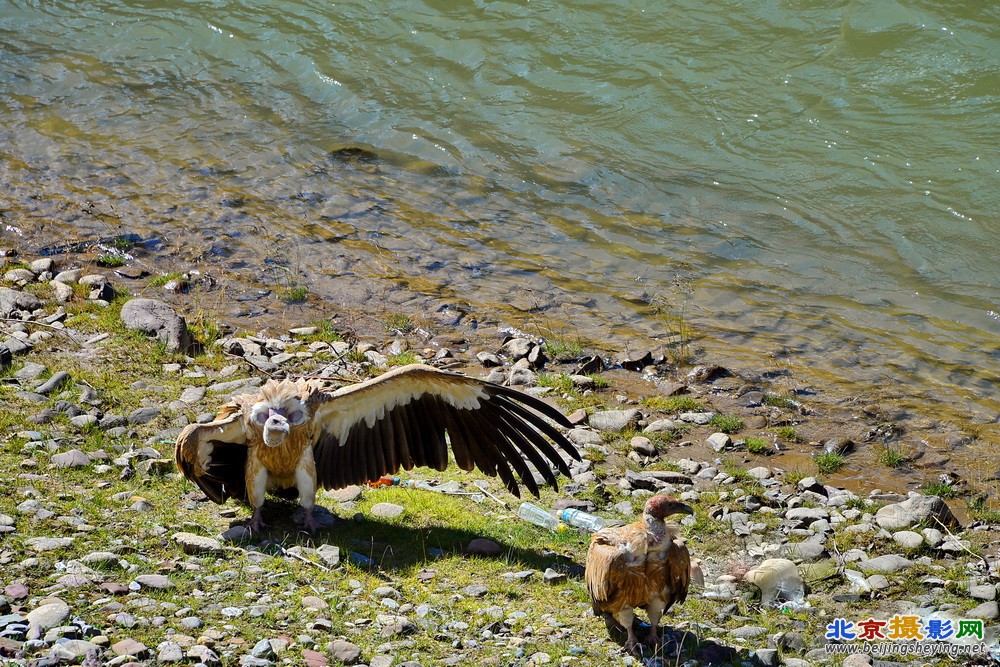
x=41, y=544
x=777, y=579
x=345, y=495
x=198, y=544
x=748, y=631
x=707, y=373
x=83, y=421
x=857, y=660
x=387, y=510
x=699, y=418
x=804, y=516
x=475, y=591
x=614, y=420
x=156, y=581
x=330, y=554
x=13, y=301
x=74, y=458
x=516, y=348
x=915, y=510
x=983, y=592
x=58, y=379
x=643, y=446
x=767, y=657
x=75, y=650
x=660, y=426
x=481, y=546
x=986, y=611
x=313, y=602
x=719, y=441
x=550, y=576
x=143, y=415
x=809, y=551
x=886, y=563
x=130, y=647
x=48, y=616
x=169, y=651
x=61, y=292
x=840, y=446
x=315, y=658
x=908, y=539
x=156, y=318
x=344, y=652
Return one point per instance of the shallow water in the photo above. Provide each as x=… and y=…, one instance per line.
x=808, y=185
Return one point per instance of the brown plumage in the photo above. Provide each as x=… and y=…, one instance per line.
x=641, y=565
x=299, y=435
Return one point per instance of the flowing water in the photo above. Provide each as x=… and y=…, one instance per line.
x=808, y=184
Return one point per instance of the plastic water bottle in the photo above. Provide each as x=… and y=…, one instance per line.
x=538, y=516
x=582, y=519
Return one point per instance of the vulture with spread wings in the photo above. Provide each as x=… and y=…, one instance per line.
x=299, y=435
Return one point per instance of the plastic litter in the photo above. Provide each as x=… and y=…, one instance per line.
x=581, y=519
x=538, y=516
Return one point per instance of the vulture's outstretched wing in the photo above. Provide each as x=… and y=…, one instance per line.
x=214, y=455
x=401, y=418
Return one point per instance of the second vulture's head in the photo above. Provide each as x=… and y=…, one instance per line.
x=277, y=415
x=662, y=506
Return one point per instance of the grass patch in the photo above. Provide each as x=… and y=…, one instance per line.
x=673, y=404
x=727, y=423
x=163, y=279
x=295, y=294
x=398, y=322
x=557, y=381
x=777, y=401
x=758, y=446
x=938, y=488
x=404, y=358
x=563, y=349
x=829, y=462
x=786, y=433
x=110, y=260
x=890, y=457
x=981, y=509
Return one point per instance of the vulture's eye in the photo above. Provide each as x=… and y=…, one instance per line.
x=295, y=416
x=262, y=417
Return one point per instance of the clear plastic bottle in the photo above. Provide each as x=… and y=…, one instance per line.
x=582, y=519
x=538, y=516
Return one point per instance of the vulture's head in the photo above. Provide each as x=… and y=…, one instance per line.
x=277, y=413
x=662, y=506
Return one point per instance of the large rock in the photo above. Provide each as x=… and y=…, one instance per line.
x=12, y=301
x=916, y=510
x=156, y=318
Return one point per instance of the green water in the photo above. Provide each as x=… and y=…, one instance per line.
x=812, y=183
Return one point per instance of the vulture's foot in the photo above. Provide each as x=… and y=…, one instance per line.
x=309, y=523
x=256, y=524
x=631, y=643
x=652, y=638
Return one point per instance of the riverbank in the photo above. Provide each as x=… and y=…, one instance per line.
x=107, y=553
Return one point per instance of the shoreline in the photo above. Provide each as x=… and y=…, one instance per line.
x=104, y=529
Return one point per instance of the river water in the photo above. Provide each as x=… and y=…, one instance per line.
x=808, y=184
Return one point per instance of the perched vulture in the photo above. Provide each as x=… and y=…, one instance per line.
x=643, y=564
x=298, y=435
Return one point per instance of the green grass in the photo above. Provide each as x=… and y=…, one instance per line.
x=109, y=260
x=829, y=462
x=403, y=358
x=940, y=489
x=398, y=322
x=778, y=401
x=982, y=509
x=890, y=457
x=758, y=446
x=786, y=433
x=563, y=349
x=560, y=382
x=673, y=404
x=727, y=423
x=164, y=278
x=294, y=294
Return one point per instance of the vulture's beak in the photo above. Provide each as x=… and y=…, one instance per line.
x=679, y=508
x=275, y=429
